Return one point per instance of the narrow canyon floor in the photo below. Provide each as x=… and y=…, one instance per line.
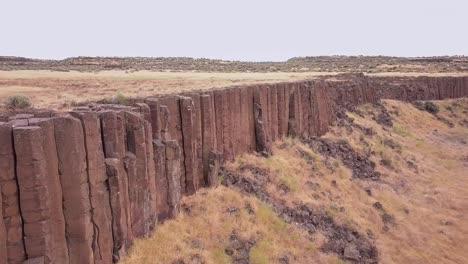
x=387, y=184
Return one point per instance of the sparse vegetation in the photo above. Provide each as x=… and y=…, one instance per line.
x=120, y=98
x=427, y=106
x=16, y=102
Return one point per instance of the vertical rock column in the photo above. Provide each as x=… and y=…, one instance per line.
x=219, y=108
x=76, y=197
x=141, y=206
x=197, y=129
x=209, y=137
x=274, y=111
x=261, y=130
x=295, y=112
x=189, y=152
x=31, y=168
x=161, y=180
x=10, y=206
x=54, y=187
x=174, y=129
x=151, y=172
x=3, y=233
x=155, y=111
x=97, y=176
x=247, y=120
x=173, y=177
x=113, y=133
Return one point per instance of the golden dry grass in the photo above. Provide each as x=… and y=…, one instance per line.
x=429, y=204
x=60, y=89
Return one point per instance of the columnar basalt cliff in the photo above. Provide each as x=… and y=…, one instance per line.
x=79, y=187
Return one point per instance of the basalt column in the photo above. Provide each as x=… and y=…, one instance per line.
x=113, y=134
x=10, y=207
x=197, y=129
x=31, y=167
x=173, y=156
x=174, y=129
x=142, y=218
x=54, y=187
x=274, y=111
x=263, y=142
x=295, y=125
x=189, y=151
x=97, y=177
x=210, y=155
x=76, y=196
x=219, y=108
x=3, y=233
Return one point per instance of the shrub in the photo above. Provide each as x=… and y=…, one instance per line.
x=119, y=98
x=427, y=106
x=431, y=107
x=18, y=102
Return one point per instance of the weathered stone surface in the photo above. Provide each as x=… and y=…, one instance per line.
x=295, y=112
x=307, y=121
x=218, y=106
x=161, y=180
x=261, y=132
x=10, y=196
x=226, y=119
x=155, y=113
x=174, y=127
x=246, y=129
x=236, y=128
x=3, y=234
x=197, y=130
x=151, y=172
x=31, y=170
x=209, y=133
x=38, y=260
x=213, y=169
x=113, y=132
x=173, y=177
x=274, y=112
x=190, y=159
x=138, y=179
x=165, y=115
x=100, y=201
x=145, y=111
x=75, y=186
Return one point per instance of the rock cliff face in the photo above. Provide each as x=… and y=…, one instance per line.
x=79, y=187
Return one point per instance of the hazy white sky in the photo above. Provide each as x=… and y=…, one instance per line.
x=235, y=29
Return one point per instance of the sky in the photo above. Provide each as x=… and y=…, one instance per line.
x=255, y=30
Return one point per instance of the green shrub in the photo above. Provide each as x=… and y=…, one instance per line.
x=119, y=98
x=18, y=102
x=427, y=106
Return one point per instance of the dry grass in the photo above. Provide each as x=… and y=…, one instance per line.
x=205, y=231
x=429, y=203
x=58, y=89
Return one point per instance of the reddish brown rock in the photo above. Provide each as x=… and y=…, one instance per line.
x=209, y=132
x=97, y=176
x=75, y=186
x=38, y=260
x=113, y=131
x=31, y=170
x=164, y=112
x=155, y=114
x=295, y=112
x=219, y=108
x=213, y=169
x=10, y=196
x=236, y=127
x=3, y=234
x=174, y=127
x=190, y=159
x=197, y=130
x=247, y=127
x=54, y=187
x=151, y=172
x=145, y=111
x=274, y=112
x=173, y=156
x=138, y=179
x=261, y=131
x=161, y=180
x=307, y=121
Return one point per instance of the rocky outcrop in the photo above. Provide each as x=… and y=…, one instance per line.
x=79, y=187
